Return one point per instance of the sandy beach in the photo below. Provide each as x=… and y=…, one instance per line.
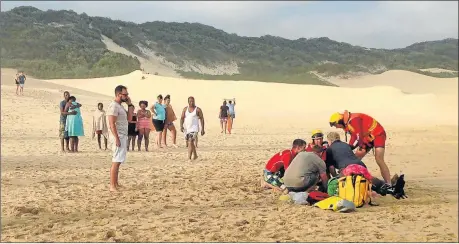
x=48, y=196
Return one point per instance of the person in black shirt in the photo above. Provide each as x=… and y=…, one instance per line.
x=223, y=116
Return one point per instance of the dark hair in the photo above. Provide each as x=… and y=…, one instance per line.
x=167, y=97
x=160, y=96
x=100, y=104
x=317, y=149
x=71, y=98
x=119, y=89
x=230, y=101
x=299, y=143
x=67, y=92
x=143, y=102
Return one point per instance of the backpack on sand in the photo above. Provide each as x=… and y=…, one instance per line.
x=332, y=186
x=355, y=188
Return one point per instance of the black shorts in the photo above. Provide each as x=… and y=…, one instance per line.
x=159, y=125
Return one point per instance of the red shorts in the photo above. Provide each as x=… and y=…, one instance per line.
x=378, y=142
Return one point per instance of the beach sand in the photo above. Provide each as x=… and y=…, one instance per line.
x=48, y=196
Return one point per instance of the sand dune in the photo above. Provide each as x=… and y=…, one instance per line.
x=47, y=196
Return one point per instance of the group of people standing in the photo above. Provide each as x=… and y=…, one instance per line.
x=227, y=115
x=71, y=123
x=20, y=81
x=119, y=120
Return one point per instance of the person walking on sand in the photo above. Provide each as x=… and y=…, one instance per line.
x=159, y=117
x=143, y=125
x=74, y=124
x=232, y=113
x=223, y=116
x=16, y=81
x=118, y=119
x=99, y=125
x=132, y=132
x=21, y=78
x=64, y=112
x=169, y=125
x=189, y=124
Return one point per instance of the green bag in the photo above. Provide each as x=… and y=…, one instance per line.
x=332, y=189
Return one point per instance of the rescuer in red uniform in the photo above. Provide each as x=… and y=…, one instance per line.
x=366, y=134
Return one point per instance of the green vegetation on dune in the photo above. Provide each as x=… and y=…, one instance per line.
x=57, y=45
x=63, y=44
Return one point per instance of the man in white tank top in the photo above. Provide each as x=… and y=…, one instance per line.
x=189, y=124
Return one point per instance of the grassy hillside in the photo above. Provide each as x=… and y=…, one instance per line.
x=54, y=44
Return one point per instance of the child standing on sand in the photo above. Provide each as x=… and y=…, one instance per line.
x=99, y=125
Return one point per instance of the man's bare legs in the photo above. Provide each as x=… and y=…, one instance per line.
x=379, y=156
x=191, y=150
x=114, y=170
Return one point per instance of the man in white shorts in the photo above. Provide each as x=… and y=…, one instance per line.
x=191, y=115
x=118, y=123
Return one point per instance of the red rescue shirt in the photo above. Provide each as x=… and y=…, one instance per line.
x=363, y=129
x=279, y=160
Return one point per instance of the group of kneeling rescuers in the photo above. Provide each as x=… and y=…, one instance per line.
x=331, y=168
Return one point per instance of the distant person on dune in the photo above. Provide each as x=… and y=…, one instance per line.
x=64, y=112
x=74, y=123
x=21, y=78
x=99, y=125
x=159, y=118
x=277, y=164
x=118, y=119
x=169, y=124
x=232, y=113
x=366, y=134
x=143, y=125
x=223, y=116
x=16, y=81
x=132, y=132
x=189, y=124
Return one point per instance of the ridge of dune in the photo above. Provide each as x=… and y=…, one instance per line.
x=289, y=102
x=406, y=81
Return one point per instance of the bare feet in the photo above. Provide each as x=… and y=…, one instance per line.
x=113, y=189
x=195, y=157
x=174, y=146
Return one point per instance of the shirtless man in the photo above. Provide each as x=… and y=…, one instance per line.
x=189, y=124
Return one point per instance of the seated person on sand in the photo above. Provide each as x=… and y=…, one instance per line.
x=306, y=171
x=276, y=166
x=341, y=157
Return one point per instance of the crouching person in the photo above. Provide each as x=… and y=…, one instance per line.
x=306, y=171
x=276, y=166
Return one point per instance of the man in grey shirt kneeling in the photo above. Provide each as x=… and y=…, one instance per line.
x=305, y=171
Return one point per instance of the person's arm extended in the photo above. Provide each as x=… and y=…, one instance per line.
x=182, y=119
x=332, y=170
x=324, y=178
x=66, y=109
x=201, y=117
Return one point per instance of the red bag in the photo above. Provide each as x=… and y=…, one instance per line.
x=316, y=196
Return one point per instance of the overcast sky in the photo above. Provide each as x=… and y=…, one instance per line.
x=371, y=24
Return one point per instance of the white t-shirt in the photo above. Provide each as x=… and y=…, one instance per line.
x=117, y=110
